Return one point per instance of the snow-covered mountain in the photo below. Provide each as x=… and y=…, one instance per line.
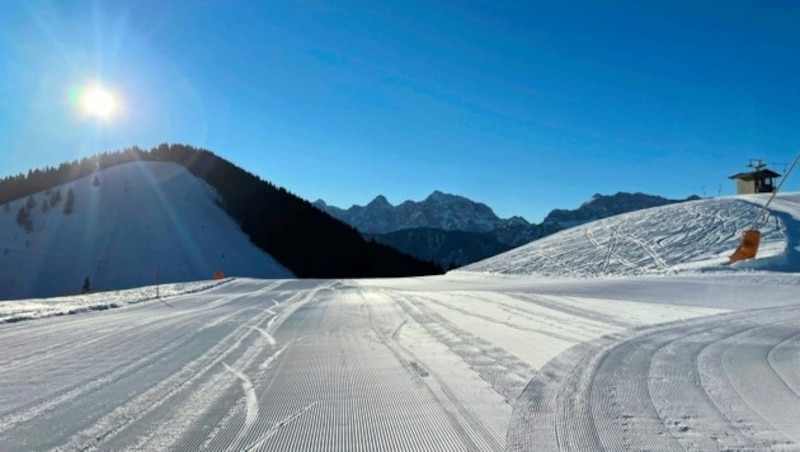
x=453, y=230
x=439, y=210
x=687, y=237
x=126, y=222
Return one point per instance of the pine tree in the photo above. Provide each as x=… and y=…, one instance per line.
x=69, y=205
x=31, y=203
x=22, y=215
x=55, y=198
x=96, y=181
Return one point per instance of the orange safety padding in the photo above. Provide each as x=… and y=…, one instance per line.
x=218, y=274
x=749, y=247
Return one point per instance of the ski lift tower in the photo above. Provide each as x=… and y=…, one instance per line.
x=760, y=180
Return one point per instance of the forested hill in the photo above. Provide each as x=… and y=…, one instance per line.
x=304, y=239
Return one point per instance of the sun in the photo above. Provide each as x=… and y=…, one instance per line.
x=98, y=101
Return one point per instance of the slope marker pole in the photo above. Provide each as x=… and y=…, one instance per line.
x=769, y=201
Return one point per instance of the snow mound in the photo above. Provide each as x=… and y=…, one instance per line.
x=127, y=222
x=20, y=310
x=696, y=236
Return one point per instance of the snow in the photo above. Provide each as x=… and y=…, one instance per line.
x=142, y=216
x=517, y=354
x=690, y=237
x=512, y=314
x=30, y=309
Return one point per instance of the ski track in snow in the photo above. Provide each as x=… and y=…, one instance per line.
x=712, y=383
x=266, y=335
x=292, y=365
x=251, y=400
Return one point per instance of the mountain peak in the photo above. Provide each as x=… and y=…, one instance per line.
x=379, y=201
x=517, y=220
x=440, y=196
x=437, y=195
x=595, y=197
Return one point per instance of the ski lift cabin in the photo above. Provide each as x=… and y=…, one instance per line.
x=760, y=180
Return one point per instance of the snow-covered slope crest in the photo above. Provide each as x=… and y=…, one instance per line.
x=128, y=223
x=688, y=237
x=19, y=310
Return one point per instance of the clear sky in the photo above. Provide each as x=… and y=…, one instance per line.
x=526, y=106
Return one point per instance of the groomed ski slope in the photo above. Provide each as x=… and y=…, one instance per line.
x=296, y=365
x=142, y=216
x=725, y=382
x=704, y=359
x=680, y=238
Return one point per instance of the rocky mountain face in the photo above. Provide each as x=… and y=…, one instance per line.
x=439, y=210
x=453, y=230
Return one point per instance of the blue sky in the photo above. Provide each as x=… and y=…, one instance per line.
x=526, y=106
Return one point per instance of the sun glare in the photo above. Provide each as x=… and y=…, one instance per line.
x=98, y=101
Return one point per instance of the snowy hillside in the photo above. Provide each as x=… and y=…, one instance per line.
x=697, y=235
x=138, y=217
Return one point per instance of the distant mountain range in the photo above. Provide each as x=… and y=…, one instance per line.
x=453, y=230
x=439, y=210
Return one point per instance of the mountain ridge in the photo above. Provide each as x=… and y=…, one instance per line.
x=120, y=232
x=380, y=216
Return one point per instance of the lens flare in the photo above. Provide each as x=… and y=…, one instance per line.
x=98, y=101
